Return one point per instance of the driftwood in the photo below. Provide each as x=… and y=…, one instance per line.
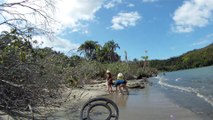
x=12, y=84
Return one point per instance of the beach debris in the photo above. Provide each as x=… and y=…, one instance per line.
x=136, y=84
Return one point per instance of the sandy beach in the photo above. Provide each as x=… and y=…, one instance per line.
x=140, y=104
x=70, y=110
x=72, y=99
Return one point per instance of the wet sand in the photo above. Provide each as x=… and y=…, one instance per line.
x=150, y=104
x=141, y=104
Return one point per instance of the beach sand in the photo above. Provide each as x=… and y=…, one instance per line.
x=70, y=110
x=141, y=104
x=72, y=99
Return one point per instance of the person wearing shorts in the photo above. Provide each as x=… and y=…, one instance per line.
x=121, y=83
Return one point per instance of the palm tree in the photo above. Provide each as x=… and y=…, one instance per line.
x=126, y=57
x=89, y=48
x=110, y=48
x=145, y=59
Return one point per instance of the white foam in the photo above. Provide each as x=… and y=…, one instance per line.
x=205, y=98
x=177, y=79
x=186, y=89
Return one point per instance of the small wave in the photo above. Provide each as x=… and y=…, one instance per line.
x=187, y=89
x=157, y=77
x=205, y=98
x=177, y=79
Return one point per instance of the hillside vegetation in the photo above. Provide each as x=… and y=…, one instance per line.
x=192, y=59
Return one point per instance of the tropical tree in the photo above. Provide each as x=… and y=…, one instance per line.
x=89, y=49
x=109, y=49
x=126, y=57
x=145, y=59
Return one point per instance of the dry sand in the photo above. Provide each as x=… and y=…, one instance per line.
x=72, y=99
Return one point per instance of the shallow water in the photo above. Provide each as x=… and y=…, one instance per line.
x=191, y=89
x=150, y=104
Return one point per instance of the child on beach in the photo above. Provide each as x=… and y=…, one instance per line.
x=109, y=81
x=121, y=83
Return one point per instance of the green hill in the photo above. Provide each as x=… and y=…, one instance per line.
x=192, y=59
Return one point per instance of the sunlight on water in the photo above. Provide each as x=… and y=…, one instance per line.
x=191, y=88
x=186, y=89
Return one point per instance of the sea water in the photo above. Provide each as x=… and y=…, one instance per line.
x=192, y=89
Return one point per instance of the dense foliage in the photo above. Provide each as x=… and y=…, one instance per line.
x=29, y=76
x=93, y=51
x=193, y=59
x=36, y=76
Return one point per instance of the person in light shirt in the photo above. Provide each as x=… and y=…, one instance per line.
x=121, y=83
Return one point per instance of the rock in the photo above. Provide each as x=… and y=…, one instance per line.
x=136, y=84
x=139, y=77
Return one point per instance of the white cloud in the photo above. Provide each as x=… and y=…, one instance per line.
x=123, y=20
x=192, y=14
x=112, y=3
x=204, y=41
x=149, y=1
x=72, y=16
x=58, y=44
x=4, y=28
x=172, y=48
x=130, y=5
x=73, y=13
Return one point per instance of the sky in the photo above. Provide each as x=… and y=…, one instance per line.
x=164, y=28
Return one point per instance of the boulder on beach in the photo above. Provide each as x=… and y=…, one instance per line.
x=136, y=84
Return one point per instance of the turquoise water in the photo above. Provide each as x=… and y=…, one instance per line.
x=192, y=89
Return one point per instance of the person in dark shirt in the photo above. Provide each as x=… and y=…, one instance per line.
x=109, y=81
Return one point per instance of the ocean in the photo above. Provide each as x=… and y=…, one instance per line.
x=191, y=89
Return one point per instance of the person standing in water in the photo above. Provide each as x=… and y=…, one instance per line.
x=109, y=81
x=121, y=83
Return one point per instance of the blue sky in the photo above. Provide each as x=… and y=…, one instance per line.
x=165, y=28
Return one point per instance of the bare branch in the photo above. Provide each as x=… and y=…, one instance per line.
x=12, y=4
x=12, y=84
x=38, y=12
x=9, y=20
